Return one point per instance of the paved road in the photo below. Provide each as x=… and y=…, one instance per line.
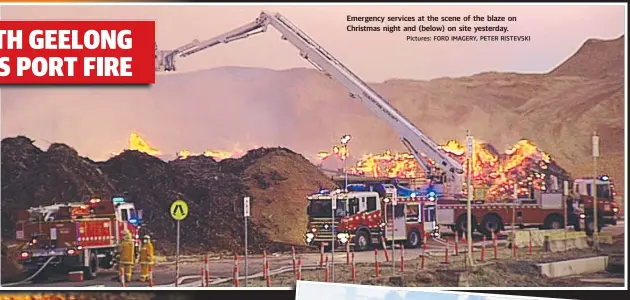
x=223, y=268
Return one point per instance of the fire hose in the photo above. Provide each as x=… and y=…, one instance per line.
x=32, y=276
x=280, y=270
x=284, y=269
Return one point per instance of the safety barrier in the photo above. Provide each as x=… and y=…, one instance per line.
x=574, y=267
x=522, y=238
x=605, y=238
x=565, y=242
x=324, y=266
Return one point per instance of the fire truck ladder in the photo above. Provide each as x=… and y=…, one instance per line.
x=166, y=59
x=416, y=141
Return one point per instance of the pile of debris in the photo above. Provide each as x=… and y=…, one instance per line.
x=523, y=168
x=277, y=180
x=30, y=175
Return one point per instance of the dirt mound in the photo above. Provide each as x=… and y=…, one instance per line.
x=595, y=59
x=9, y=265
x=276, y=179
x=58, y=175
x=279, y=180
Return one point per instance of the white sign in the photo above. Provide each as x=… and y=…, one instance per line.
x=469, y=145
x=333, y=202
x=53, y=234
x=595, y=146
x=246, y=206
x=566, y=188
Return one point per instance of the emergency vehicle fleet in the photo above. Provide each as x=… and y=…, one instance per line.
x=364, y=219
x=359, y=212
x=80, y=236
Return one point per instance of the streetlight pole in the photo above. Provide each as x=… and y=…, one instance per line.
x=332, y=246
x=595, y=141
x=394, y=204
x=469, y=155
x=344, y=156
x=345, y=171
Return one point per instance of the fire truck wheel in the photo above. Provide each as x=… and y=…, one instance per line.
x=413, y=240
x=462, y=224
x=362, y=242
x=491, y=223
x=553, y=222
x=90, y=271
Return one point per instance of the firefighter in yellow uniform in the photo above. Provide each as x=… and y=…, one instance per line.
x=127, y=255
x=146, y=258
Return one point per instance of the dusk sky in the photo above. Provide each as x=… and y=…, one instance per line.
x=556, y=33
x=52, y=114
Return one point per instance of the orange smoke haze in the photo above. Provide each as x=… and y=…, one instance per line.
x=499, y=175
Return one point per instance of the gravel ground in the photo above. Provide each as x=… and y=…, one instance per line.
x=506, y=271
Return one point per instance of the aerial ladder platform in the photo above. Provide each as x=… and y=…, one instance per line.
x=436, y=163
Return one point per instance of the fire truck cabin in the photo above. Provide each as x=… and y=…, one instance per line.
x=365, y=218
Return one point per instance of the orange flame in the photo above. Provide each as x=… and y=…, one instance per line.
x=220, y=155
x=138, y=143
x=454, y=147
x=339, y=151
x=216, y=155
x=499, y=174
x=323, y=155
x=387, y=164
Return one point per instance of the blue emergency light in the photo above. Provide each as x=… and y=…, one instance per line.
x=323, y=191
x=133, y=221
x=432, y=195
x=118, y=200
x=604, y=178
x=356, y=187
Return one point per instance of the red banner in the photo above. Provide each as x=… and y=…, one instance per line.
x=77, y=52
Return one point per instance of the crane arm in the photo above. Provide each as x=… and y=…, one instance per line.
x=166, y=59
x=416, y=141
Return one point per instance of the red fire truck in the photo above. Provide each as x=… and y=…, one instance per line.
x=76, y=236
x=546, y=212
x=362, y=218
x=582, y=195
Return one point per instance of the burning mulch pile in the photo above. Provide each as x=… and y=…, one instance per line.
x=277, y=180
x=30, y=175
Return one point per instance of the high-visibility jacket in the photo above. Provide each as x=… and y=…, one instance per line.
x=146, y=253
x=126, y=250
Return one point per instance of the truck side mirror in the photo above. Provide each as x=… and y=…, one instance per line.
x=308, y=209
x=140, y=214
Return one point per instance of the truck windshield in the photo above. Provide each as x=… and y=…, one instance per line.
x=323, y=208
x=603, y=191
